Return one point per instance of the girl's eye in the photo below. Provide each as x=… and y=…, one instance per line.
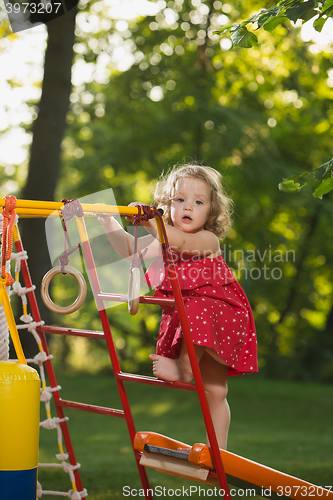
x=180, y=199
x=198, y=202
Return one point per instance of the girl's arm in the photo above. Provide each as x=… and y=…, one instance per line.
x=123, y=242
x=203, y=242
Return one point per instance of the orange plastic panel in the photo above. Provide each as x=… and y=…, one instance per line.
x=239, y=467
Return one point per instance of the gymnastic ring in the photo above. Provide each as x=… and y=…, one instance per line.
x=134, y=290
x=44, y=290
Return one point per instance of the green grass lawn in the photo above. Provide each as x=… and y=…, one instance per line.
x=284, y=425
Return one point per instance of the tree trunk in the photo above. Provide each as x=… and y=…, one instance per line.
x=48, y=131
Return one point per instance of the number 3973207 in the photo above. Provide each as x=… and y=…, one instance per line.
x=304, y=491
x=32, y=8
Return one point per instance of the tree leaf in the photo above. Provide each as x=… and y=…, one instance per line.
x=275, y=21
x=244, y=38
x=324, y=187
x=320, y=172
x=298, y=10
x=328, y=165
x=309, y=14
x=328, y=4
x=289, y=186
x=319, y=23
x=265, y=16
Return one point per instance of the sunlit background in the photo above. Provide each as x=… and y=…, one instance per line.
x=153, y=84
x=21, y=62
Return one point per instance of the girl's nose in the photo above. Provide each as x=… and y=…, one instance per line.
x=188, y=206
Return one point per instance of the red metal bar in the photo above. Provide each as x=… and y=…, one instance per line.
x=91, y=408
x=142, y=379
x=58, y=330
x=48, y=364
x=143, y=299
x=194, y=364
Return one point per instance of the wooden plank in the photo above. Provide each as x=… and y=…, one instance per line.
x=174, y=466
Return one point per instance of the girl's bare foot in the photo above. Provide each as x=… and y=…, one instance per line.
x=169, y=369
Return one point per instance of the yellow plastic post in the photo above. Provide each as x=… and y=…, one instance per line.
x=19, y=415
x=19, y=431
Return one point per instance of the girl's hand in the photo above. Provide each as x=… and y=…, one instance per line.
x=130, y=218
x=102, y=218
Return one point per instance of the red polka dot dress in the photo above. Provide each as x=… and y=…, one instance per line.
x=217, y=308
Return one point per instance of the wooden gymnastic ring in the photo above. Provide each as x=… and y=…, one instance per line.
x=44, y=290
x=134, y=290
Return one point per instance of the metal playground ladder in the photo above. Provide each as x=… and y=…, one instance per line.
x=25, y=208
x=202, y=463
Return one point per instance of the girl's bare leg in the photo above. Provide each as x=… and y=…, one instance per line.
x=214, y=374
x=215, y=381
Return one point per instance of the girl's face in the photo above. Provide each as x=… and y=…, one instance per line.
x=190, y=206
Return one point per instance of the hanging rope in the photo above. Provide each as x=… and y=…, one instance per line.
x=71, y=208
x=9, y=216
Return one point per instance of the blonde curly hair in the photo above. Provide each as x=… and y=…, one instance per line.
x=219, y=219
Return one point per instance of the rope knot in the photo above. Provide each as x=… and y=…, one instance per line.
x=64, y=260
x=137, y=260
x=146, y=212
x=10, y=205
x=71, y=208
x=6, y=280
x=10, y=280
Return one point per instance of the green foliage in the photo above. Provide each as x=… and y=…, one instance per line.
x=256, y=116
x=242, y=35
x=283, y=11
x=322, y=174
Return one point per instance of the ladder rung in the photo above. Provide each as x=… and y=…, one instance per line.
x=57, y=330
x=144, y=299
x=143, y=379
x=91, y=408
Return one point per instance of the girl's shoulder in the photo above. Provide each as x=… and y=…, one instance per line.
x=207, y=244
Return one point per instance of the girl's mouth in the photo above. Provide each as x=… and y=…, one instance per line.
x=186, y=218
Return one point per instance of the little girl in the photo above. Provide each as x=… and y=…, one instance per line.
x=197, y=212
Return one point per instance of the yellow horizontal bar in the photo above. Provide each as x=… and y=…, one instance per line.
x=37, y=212
x=45, y=208
x=50, y=205
x=33, y=216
